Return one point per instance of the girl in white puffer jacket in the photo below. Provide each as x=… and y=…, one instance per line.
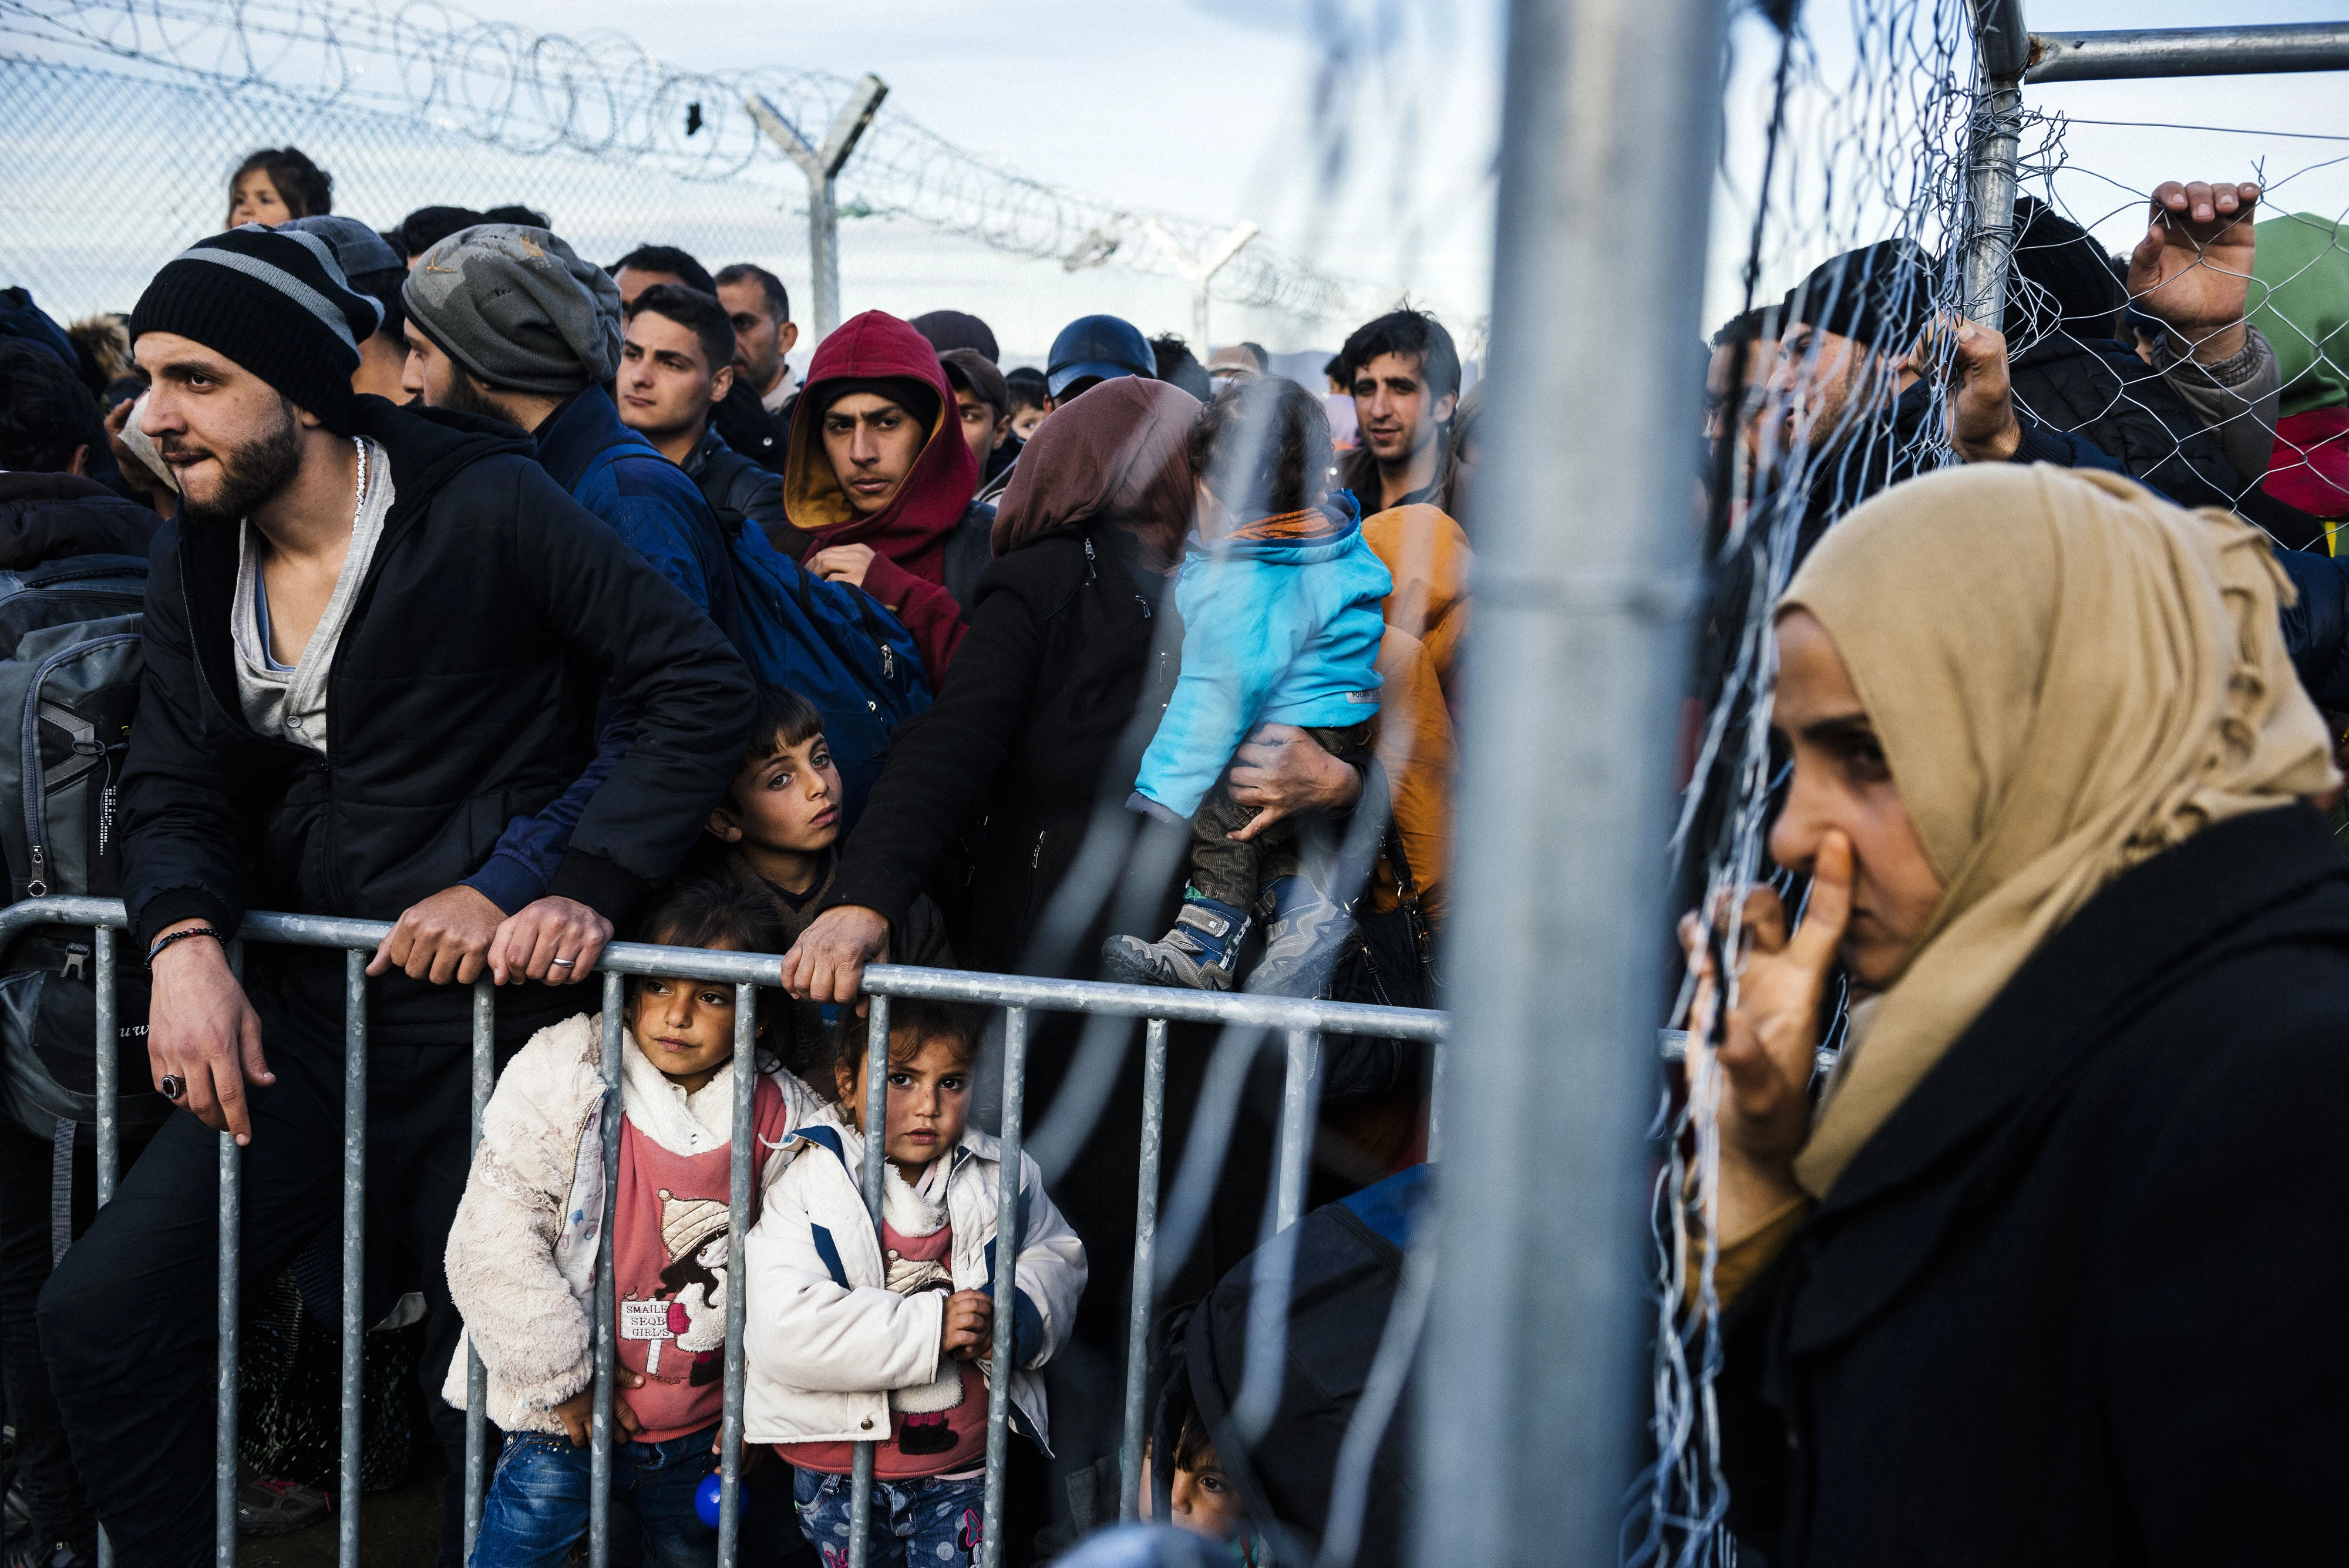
x=858, y=1338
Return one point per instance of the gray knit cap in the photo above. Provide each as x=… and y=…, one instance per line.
x=517, y=308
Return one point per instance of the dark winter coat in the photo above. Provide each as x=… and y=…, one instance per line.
x=970, y=550
x=462, y=693
x=2072, y=1304
x=740, y=490
x=742, y=419
x=49, y=516
x=1052, y=698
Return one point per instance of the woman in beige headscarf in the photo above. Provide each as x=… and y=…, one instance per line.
x=2033, y=1283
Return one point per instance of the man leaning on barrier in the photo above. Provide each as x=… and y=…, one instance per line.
x=373, y=636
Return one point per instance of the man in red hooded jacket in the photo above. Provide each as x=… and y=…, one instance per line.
x=879, y=478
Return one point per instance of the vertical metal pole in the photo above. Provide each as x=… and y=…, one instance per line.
x=105, y=1089
x=737, y=1228
x=1010, y=1231
x=876, y=1141
x=1146, y=1247
x=1276, y=1262
x=1557, y=930
x=224, y=1402
x=1300, y=1103
x=823, y=252
x=355, y=1110
x=599, y=1463
x=477, y=1380
x=2004, y=52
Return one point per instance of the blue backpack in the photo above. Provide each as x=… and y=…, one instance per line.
x=836, y=646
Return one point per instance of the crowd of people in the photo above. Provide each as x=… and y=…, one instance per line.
x=524, y=602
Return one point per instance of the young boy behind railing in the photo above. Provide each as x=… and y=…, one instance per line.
x=523, y=1253
x=781, y=824
x=888, y=1341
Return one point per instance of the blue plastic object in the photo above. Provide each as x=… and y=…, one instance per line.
x=705, y=1499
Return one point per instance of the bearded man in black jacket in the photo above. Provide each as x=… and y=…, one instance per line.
x=373, y=636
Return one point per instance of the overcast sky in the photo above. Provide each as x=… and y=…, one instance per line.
x=1205, y=106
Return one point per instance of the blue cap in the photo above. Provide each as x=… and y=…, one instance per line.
x=1101, y=347
x=359, y=250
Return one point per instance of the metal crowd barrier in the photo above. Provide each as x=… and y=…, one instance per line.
x=1301, y=1021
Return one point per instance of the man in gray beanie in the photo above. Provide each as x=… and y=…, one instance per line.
x=368, y=627
x=505, y=321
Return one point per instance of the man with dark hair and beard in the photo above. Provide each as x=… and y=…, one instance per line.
x=372, y=635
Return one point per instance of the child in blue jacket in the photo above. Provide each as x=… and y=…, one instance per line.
x=1281, y=597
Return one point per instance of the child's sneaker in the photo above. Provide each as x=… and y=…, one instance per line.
x=1199, y=953
x=1303, y=931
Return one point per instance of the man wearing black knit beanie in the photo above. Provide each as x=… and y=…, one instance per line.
x=372, y=635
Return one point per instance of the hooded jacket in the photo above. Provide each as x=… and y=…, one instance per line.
x=909, y=535
x=1281, y=622
x=1070, y=657
x=462, y=693
x=828, y=1339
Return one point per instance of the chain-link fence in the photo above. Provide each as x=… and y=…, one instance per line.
x=124, y=120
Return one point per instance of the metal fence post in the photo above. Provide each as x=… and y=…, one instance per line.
x=477, y=1379
x=1584, y=577
x=822, y=165
x=738, y=1231
x=876, y=1139
x=1146, y=1247
x=1200, y=270
x=599, y=1464
x=355, y=1142
x=1009, y=1230
x=224, y=1401
x=2003, y=51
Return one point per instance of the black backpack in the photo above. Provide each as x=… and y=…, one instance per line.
x=1349, y=1265
x=68, y=688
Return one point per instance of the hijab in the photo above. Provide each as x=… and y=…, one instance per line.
x=872, y=351
x=2068, y=675
x=1119, y=452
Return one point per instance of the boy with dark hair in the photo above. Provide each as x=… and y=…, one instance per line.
x=1404, y=375
x=1030, y=401
x=1281, y=603
x=660, y=263
x=781, y=821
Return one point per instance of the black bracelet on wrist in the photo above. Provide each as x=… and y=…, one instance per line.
x=168, y=937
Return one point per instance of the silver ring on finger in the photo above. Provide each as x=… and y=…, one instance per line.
x=174, y=1087
x=561, y=963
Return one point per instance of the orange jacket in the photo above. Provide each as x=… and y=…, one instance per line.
x=1415, y=748
x=1428, y=556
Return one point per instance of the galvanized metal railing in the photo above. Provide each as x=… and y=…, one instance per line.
x=1302, y=1022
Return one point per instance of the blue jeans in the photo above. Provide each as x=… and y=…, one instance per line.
x=537, y=1502
x=915, y=1524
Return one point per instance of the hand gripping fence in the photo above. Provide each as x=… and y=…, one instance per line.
x=1301, y=1022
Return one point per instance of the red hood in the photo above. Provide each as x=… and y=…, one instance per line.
x=912, y=528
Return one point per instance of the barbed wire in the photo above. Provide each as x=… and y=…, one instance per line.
x=601, y=94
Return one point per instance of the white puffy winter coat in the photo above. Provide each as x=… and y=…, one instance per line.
x=522, y=1253
x=828, y=1339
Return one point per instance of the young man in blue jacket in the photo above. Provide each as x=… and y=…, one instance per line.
x=506, y=320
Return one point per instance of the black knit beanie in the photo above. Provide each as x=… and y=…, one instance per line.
x=918, y=399
x=1880, y=294
x=277, y=304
